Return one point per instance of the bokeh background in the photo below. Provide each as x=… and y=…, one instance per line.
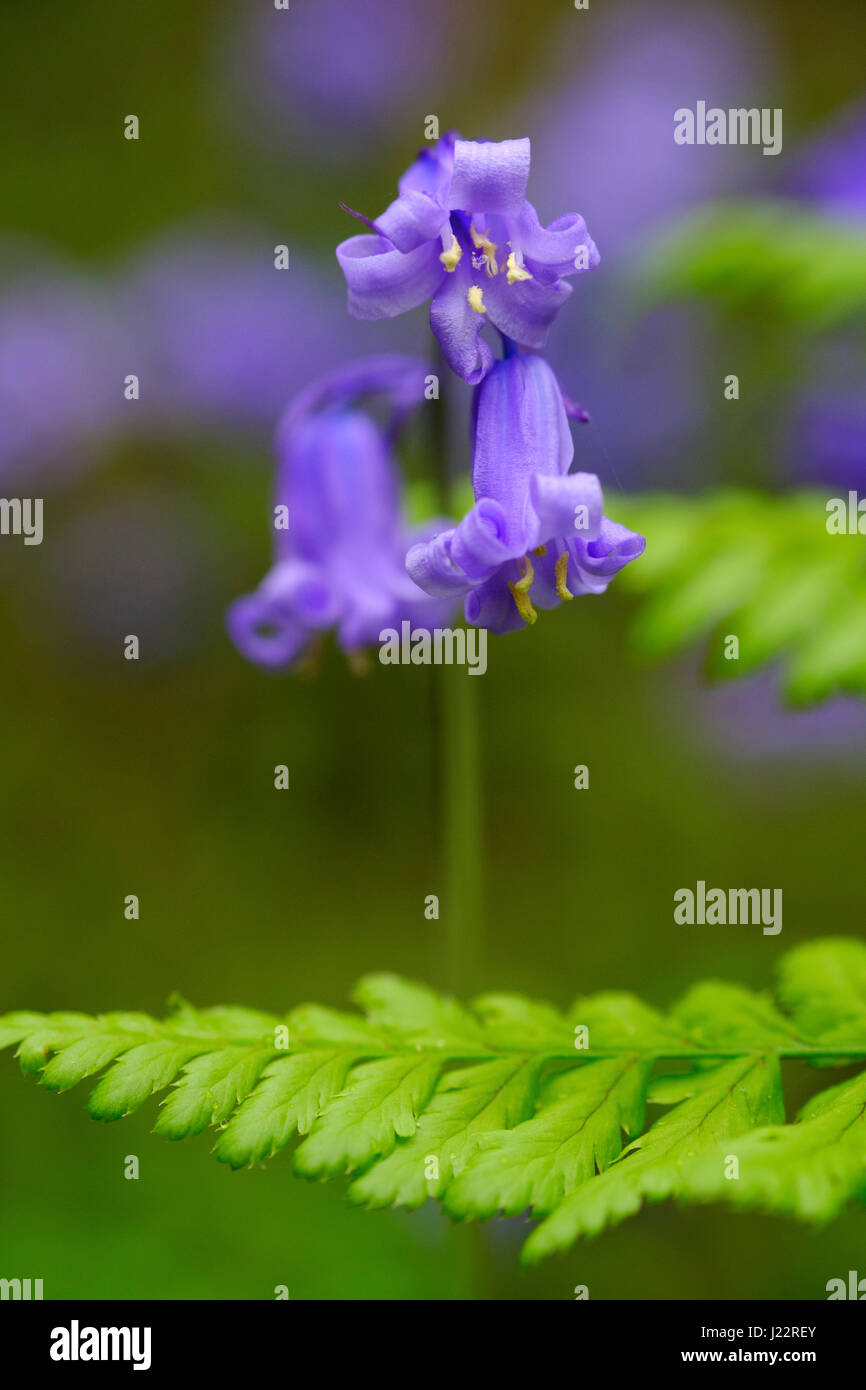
x=156, y=777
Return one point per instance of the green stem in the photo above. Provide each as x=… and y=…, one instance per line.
x=457, y=759
x=460, y=834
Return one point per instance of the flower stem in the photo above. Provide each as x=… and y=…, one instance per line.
x=459, y=766
x=457, y=761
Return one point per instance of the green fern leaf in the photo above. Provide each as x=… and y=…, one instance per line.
x=291, y=1093
x=467, y=1102
x=581, y=1117
x=727, y=1100
x=509, y=1105
x=810, y=1169
x=764, y=569
x=823, y=985
x=380, y=1104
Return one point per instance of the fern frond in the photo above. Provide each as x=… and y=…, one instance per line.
x=810, y=1169
x=506, y=1106
x=763, y=569
x=724, y=1101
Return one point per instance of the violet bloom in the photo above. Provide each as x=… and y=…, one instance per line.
x=462, y=234
x=833, y=172
x=340, y=561
x=536, y=534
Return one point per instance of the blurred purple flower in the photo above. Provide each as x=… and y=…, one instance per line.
x=832, y=172
x=230, y=337
x=527, y=505
x=830, y=446
x=63, y=356
x=829, y=434
x=603, y=135
x=462, y=234
x=339, y=563
x=602, y=140
x=335, y=75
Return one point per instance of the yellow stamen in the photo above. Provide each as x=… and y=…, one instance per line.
x=516, y=271
x=520, y=591
x=560, y=570
x=540, y=550
x=487, y=248
x=476, y=300
x=451, y=258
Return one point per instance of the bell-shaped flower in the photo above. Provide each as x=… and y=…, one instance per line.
x=340, y=533
x=537, y=534
x=462, y=234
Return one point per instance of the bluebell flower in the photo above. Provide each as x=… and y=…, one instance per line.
x=340, y=561
x=462, y=234
x=832, y=173
x=537, y=534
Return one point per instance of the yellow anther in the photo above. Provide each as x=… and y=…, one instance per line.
x=451, y=258
x=515, y=271
x=560, y=570
x=520, y=591
x=487, y=248
x=540, y=550
x=476, y=299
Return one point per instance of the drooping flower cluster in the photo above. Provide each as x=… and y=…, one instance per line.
x=340, y=535
x=536, y=535
x=462, y=234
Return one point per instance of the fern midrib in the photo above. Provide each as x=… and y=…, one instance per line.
x=467, y=1054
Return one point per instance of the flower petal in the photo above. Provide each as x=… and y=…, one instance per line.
x=338, y=479
x=301, y=589
x=492, y=604
x=568, y=507
x=520, y=429
x=264, y=632
x=431, y=566
x=550, y=252
x=384, y=282
x=457, y=326
x=525, y=310
x=600, y=559
x=486, y=538
x=431, y=171
x=412, y=219
x=489, y=176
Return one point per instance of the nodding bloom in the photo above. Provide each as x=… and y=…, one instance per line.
x=462, y=234
x=340, y=560
x=537, y=535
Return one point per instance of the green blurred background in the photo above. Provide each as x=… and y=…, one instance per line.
x=156, y=777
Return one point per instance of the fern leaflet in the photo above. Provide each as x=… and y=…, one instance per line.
x=508, y=1106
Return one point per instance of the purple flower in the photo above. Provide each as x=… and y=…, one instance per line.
x=462, y=234
x=63, y=357
x=536, y=534
x=220, y=325
x=833, y=172
x=339, y=562
x=312, y=82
